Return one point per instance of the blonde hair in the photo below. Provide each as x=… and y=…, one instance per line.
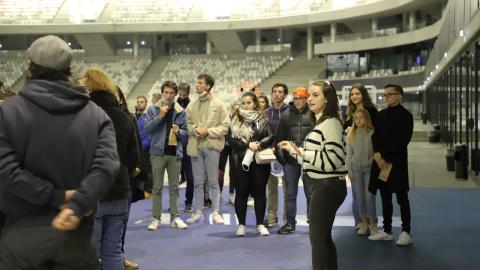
x=353, y=130
x=96, y=79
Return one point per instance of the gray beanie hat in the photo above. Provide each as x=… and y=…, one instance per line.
x=50, y=52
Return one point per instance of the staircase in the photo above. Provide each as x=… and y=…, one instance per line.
x=296, y=73
x=149, y=77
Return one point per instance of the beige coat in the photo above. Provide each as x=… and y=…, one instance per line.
x=212, y=115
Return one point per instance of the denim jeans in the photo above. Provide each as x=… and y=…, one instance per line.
x=206, y=162
x=292, y=173
x=109, y=222
x=365, y=200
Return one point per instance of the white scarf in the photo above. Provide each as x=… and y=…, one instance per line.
x=243, y=130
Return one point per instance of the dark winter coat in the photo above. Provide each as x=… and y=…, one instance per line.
x=126, y=144
x=53, y=139
x=262, y=134
x=294, y=126
x=390, y=138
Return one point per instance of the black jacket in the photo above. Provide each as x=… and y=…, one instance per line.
x=126, y=144
x=262, y=134
x=294, y=126
x=52, y=138
x=391, y=138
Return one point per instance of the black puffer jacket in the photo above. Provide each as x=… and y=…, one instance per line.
x=294, y=126
x=262, y=134
x=126, y=144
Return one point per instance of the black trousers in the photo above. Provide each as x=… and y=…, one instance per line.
x=42, y=248
x=186, y=173
x=387, y=209
x=252, y=182
x=327, y=196
x=224, y=156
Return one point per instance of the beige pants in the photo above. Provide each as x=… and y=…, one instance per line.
x=272, y=199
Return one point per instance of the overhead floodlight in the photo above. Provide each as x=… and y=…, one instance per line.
x=436, y=67
x=1, y=45
x=128, y=42
x=461, y=33
x=445, y=54
x=142, y=42
x=69, y=43
x=431, y=73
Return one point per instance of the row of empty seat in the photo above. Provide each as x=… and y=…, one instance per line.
x=228, y=73
x=28, y=12
x=374, y=73
x=45, y=11
x=124, y=72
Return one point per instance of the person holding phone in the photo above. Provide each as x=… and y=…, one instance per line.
x=323, y=164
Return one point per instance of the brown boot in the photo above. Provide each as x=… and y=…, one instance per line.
x=127, y=264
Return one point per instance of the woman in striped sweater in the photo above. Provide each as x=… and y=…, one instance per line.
x=323, y=163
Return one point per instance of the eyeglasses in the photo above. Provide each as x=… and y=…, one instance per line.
x=390, y=94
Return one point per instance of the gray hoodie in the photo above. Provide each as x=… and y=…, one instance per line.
x=52, y=139
x=360, y=153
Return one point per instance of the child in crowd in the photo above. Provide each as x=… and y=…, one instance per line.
x=359, y=162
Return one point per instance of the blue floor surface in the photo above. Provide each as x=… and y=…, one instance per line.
x=445, y=228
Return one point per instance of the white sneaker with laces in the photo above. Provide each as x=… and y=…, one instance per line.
x=178, y=223
x=240, y=230
x=363, y=228
x=197, y=216
x=262, y=230
x=381, y=236
x=154, y=225
x=217, y=218
x=404, y=239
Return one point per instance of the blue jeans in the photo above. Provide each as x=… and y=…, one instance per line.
x=109, y=222
x=292, y=173
x=206, y=162
x=365, y=201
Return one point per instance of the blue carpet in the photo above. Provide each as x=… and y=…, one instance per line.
x=445, y=228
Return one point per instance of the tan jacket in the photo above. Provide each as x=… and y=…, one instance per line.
x=210, y=114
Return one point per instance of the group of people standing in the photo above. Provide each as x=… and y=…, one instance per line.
x=71, y=155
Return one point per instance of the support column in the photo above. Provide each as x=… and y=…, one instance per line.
x=258, y=40
x=309, y=43
x=333, y=32
x=374, y=26
x=135, y=46
x=411, y=20
x=208, y=46
x=154, y=46
x=404, y=22
x=280, y=35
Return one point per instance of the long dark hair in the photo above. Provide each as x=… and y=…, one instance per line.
x=366, y=100
x=331, y=107
x=255, y=101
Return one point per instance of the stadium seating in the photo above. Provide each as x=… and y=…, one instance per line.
x=228, y=73
x=28, y=12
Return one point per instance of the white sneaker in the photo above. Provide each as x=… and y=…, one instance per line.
x=217, y=218
x=178, y=223
x=231, y=198
x=362, y=229
x=262, y=230
x=404, y=239
x=381, y=235
x=240, y=230
x=154, y=225
x=373, y=229
x=251, y=202
x=197, y=216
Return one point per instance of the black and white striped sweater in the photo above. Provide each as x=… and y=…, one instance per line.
x=324, y=149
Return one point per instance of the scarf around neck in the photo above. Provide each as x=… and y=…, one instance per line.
x=243, y=129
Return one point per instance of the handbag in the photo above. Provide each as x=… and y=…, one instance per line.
x=265, y=156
